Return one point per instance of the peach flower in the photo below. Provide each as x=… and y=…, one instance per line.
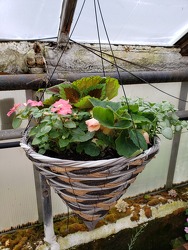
x=92, y=125
x=146, y=137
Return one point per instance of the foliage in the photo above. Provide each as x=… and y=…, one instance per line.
x=186, y=225
x=137, y=234
x=79, y=118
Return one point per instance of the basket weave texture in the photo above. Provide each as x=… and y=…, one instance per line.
x=90, y=188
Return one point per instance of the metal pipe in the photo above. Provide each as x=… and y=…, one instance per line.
x=9, y=144
x=7, y=134
x=176, y=139
x=67, y=12
x=36, y=81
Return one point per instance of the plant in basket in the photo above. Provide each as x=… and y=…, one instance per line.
x=78, y=120
x=94, y=147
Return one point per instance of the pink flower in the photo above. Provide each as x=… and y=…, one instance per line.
x=92, y=125
x=34, y=103
x=13, y=109
x=186, y=230
x=62, y=107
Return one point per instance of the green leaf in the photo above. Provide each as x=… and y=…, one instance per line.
x=70, y=124
x=58, y=124
x=178, y=128
x=112, y=86
x=137, y=118
x=104, y=116
x=42, y=151
x=97, y=91
x=51, y=100
x=167, y=133
x=126, y=147
x=63, y=143
x=45, y=138
x=54, y=134
x=82, y=137
x=34, y=131
x=36, y=141
x=83, y=103
x=16, y=122
x=87, y=82
x=45, y=129
x=186, y=236
x=124, y=124
x=138, y=139
x=89, y=148
x=105, y=104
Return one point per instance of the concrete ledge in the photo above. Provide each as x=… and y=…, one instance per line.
x=79, y=238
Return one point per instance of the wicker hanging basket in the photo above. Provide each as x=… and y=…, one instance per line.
x=90, y=188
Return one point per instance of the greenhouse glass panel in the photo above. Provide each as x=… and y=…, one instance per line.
x=132, y=21
x=31, y=19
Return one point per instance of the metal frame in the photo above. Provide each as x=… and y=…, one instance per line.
x=67, y=13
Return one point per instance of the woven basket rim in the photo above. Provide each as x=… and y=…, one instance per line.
x=32, y=153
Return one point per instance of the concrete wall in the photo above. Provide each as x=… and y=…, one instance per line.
x=16, y=58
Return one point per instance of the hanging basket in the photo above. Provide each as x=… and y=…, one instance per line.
x=90, y=188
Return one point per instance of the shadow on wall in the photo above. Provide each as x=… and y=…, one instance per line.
x=5, y=105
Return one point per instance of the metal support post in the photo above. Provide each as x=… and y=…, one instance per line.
x=176, y=139
x=44, y=203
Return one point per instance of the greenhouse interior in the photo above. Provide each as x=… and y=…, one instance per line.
x=94, y=125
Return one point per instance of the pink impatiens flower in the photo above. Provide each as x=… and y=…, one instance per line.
x=92, y=125
x=34, y=103
x=62, y=107
x=186, y=230
x=13, y=109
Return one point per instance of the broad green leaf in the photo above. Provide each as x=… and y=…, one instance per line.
x=82, y=137
x=167, y=133
x=51, y=100
x=112, y=86
x=91, y=149
x=105, y=104
x=137, y=118
x=138, y=139
x=69, y=92
x=16, y=122
x=126, y=147
x=98, y=91
x=123, y=124
x=104, y=116
x=83, y=103
x=87, y=82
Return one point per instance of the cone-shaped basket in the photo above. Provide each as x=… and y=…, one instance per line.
x=90, y=188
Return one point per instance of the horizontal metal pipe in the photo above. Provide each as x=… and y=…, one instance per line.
x=36, y=81
x=9, y=144
x=137, y=77
x=8, y=134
